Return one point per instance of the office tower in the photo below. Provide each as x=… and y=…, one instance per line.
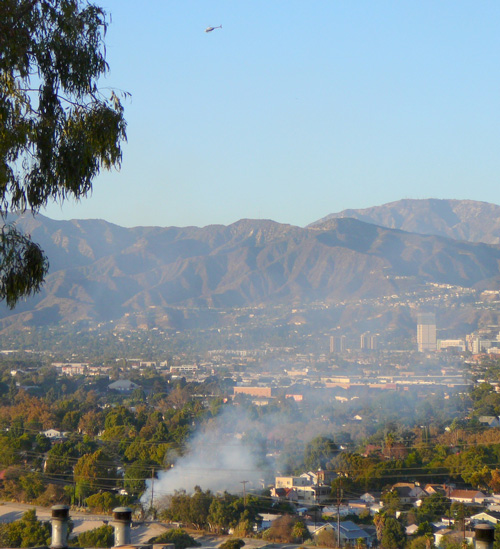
x=368, y=341
x=426, y=332
x=337, y=344
x=343, y=343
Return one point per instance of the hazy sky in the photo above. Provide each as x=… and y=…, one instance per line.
x=296, y=109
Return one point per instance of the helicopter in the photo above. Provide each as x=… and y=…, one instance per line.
x=210, y=29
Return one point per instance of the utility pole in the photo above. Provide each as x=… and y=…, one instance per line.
x=464, y=542
x=449, y=510
x=340, y=493
x=152, y=488
x=244, y=482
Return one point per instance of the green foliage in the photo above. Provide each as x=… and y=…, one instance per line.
x=32, y=485
x=393, y=534
x=178, y=537
x=235, y=543
x=9, y=452
x=421, y=542
x=203, y=510
x=60, y=458
x=424, y=529
x=57, y=130
x=120, y=416
x=392, y=502
x=42, y=443
x=192, y=510
x=222, y=514
x=455, y=542
x=28, y=531
x=433, y=507
x=23, y=265
x=98, y=537
x=102, y=502
x=300, y=532
x=95, y=469
x=319, y=452
x=134, y=477
x=496, y=543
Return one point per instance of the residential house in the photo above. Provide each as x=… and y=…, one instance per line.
x=411, y=529
x=327, y=527
x=288, y=494
x=489, y=421
x=319, y=476
x=351, y=532
x=267, y=520
x=357, y=506
x=291, y=482
x=306, y=490
x=454, y=535
x=467, y=496
x=371, y=497
x=493, y=517
x=408, y=492
x=54, y=434
x=123, y=386
x=441, y=489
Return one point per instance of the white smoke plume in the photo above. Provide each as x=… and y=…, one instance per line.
x=218, y=458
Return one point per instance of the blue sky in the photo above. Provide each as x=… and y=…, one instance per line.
x=297, y=109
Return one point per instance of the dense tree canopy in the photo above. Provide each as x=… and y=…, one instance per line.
x=57, y=129
x=28, y=531
x=319, y=452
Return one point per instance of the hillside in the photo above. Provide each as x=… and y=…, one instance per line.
x=101, y=272
x=459, y=219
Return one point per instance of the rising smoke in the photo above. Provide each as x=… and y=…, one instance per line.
x=219, y=457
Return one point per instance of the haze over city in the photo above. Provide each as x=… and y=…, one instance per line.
x=278, y=325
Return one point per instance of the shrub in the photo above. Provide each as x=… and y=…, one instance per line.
x=235, y=543
x=178, y=537
x=102, y=503
x=28, y=531
x=98, y=537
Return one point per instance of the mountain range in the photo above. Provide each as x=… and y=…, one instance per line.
x=101, y=272
x=459, y=219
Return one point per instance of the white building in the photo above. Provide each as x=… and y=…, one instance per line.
x=426, y=332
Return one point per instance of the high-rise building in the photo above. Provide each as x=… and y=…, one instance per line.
x=343, y=343
x=426, y=332
x=368, y=341
x=337, y=344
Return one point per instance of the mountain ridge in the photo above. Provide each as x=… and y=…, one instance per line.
x=469, y=220
x=102, y=272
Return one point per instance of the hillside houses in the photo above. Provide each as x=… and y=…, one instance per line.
x=347, y=532
x=467, y=496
